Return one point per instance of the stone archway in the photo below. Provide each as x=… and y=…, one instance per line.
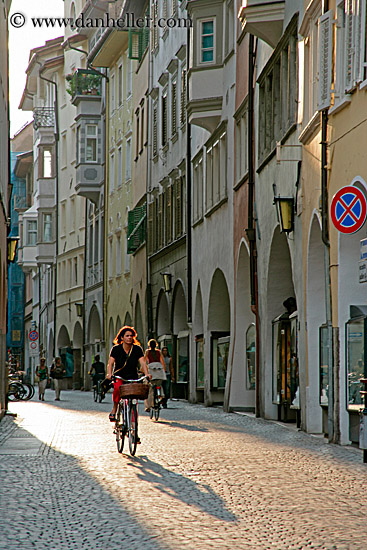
x=242, y=389
x=198, y=363
x=316, y=316
x=279, y=288
x=163, y=317
x=77, y=354
x=180, y=336
x=218, y=337
x=111, y=333
x=138, y=321
x=65, y=351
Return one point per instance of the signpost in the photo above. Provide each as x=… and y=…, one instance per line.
x=348, y=209
x=33, y=343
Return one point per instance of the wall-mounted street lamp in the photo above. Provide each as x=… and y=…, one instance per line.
x=285, y=213
x=12, y=248
x=79, y=309
x=167, y=278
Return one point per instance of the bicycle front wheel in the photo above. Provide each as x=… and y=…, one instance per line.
x=120, y=428
x=95, y=393
x=133, y=428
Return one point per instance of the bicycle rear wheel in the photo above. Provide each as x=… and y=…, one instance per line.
x=157, y=409
x=120, y=428
x=16, y=391
x=29, y=388
x=133, y=428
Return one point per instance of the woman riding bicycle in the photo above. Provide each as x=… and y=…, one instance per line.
x=157, y=370
x=126, y=359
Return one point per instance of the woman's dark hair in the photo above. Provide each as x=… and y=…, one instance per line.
x=121, y=332
x=165, y=347
x=152, y=344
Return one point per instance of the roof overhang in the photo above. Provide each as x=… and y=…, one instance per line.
x=263, y=19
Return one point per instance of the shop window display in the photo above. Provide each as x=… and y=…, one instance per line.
x=355, y=335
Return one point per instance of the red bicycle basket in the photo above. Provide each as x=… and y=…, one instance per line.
x=134, y=391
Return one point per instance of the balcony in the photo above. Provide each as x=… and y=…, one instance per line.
x=45, y=253
x=204, y=110
x=43, y=117
x=263, y=19
x=85, y=86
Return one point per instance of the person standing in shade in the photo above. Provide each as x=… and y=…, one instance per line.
x=42, y=373
x=170, y=375
x=57, y=373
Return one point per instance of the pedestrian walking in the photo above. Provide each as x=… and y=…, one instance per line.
x=157, y=370
x=57, y=373
x=43, y=378
x=170, y=376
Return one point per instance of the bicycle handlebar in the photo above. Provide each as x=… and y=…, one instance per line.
x=131, y=381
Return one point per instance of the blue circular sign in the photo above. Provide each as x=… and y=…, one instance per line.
x=33, y=335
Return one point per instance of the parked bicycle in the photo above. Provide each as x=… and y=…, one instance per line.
x=18, y=390
x=126, y=423
x=157, y=399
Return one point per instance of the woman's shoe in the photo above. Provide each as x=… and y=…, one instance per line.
x=112, y=417
x=147, y=410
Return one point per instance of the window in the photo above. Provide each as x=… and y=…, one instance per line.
x=198, y=190
x=241, y=147
x=91, y=143
x=112, y=92
x=230, y=30
x=47, y=228
x=75, y=271
x=120, y=85
x=278, y=90
x=118, y=255
x=168, y=216
x=136, y=229
x=173, y=107
x=155, y=135
x=96, y=241
x=128, y=160
x=200, y=371
x=183, y=97
x=219, y=356
x=110, y=258
x=90, y=245
x=355, y=329
x=32, y=233
x=119, y=167
x=207, y=41
x=46, y=162
x=64, y=153
x=164, y=119
x=142, y=127
x=174, y=8
x=128, y=77
x=127, y=255
x=216, y=170
x=112, y=173
x=251, y=357
x=179, y=207
x=137, y=138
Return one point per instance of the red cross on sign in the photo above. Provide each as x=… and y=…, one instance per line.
x=348, y=209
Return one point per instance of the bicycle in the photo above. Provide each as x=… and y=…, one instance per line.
x=157, y=396
x=126, y=423
x=98, y=393
x=16, y=391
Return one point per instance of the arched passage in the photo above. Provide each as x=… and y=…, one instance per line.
x=138, y=321
x=219, y=315
x=242, y=390
x=198, y=332
x=163, y=324
x=316, y=317
x=77, y=354
x=181, y=332
x=65, y=351
x=128, y=321
x=278, y=338
x=111, y=334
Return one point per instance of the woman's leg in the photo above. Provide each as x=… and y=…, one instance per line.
x=42, y=388
x=116, y=395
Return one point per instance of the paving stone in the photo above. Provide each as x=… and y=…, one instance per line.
x=201, y=479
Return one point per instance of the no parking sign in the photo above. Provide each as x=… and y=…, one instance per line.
x=348, y=209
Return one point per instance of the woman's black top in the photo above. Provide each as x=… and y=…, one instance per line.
x=130, y=370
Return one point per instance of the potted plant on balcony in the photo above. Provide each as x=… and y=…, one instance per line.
x=71, y=86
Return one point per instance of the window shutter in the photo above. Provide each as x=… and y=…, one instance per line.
x=358, y=42
x=183, y=97
x=349, y=45
x=155, y=136
x=169, y=215
x=160, y=221
x=134, y=38
x=325, y=53
x=173, y=108
x=178, y=208
x=150, y=235
x=164, y=120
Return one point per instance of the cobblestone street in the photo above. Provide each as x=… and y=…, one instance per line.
x=201, y=479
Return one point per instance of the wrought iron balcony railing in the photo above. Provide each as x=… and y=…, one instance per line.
x=43, y=117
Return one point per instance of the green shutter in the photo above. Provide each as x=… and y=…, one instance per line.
x=134, y=40
x=136, y=228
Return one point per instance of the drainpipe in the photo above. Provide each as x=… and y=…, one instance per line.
x=84, y=379
x=149, y=176
x=188, y=201
x=56, y=106
x=333, y=435
x=251, y=231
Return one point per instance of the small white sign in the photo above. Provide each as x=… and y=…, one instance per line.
x=363, y=249
x=363, y=271
x=33, y=349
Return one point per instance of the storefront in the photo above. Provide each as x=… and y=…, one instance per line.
x=285, y=367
